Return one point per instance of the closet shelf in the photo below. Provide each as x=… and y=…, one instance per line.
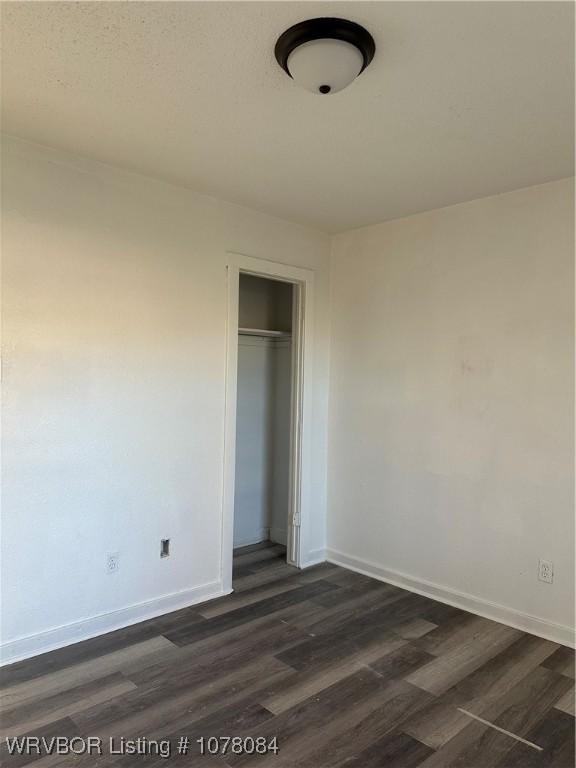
x=262, y=332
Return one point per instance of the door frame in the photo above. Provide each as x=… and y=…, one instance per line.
x=299, y=510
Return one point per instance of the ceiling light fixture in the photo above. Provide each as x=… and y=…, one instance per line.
x=324, y=55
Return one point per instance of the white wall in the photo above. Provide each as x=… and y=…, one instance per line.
x=451, y=403
x=265, y=304
x=262, y=441
x=451, y=451
x=114, y=306
x=254, y=440
x=281, y=447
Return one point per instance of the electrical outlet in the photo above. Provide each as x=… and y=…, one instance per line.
x=112, y=562
x=164, y=547
x=546, y=571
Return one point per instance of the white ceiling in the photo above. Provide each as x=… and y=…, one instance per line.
x=462, y=100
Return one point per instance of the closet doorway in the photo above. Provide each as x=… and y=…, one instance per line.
x=263, y=414
x=268, y=403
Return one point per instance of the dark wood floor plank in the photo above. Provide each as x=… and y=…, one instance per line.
x=341, y=721
x=567, y=703
x=517, y=712
x=500, y=673
x=261, y=591
x=77, y=674
x=344, y=670
x=458, y=662
x=562, y=661
x=394, y=750
x=196, y=667
x=63, y=727
x=236, y=719
x=348, y=579
x=41, y=711
x=414, y=629
x=348, y=595
x=265, y=576
x=260, y=555
x=440, y=613
x=239, y=719
x=331, y=642
x=401, y=662
x=436, y=724
x=397, y=702
x=450, y=633
x=77, y=653
x=162, y=710
x=266, y=607
x=304, y=685
x=262, y=559
x=299, y=728
x=442, y=720
x=349, y=608
x=555, y=734
x=239, y=551
x=528, y=701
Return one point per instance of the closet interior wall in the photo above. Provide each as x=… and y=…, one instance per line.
x=263, y=411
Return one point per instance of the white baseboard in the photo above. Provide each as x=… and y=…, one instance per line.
x=315, y=557
x=58, y=637
x=279, y=536
x=558, y=633
x=262, y=535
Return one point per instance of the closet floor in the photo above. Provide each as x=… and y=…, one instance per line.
x=263, y=558
x=340, y=669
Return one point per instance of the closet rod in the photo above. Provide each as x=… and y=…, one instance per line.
x=263, y=332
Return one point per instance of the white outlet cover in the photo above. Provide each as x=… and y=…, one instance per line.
x=546, y=571
x=112, y=562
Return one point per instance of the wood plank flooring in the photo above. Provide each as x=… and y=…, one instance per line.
x=343, y=670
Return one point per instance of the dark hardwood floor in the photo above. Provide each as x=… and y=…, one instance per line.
x=342, y=669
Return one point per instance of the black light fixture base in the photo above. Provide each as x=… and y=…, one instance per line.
x=324, y=28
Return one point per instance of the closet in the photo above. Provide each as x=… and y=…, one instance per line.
x=263, y=411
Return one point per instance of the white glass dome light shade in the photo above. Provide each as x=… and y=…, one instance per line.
x=325, y=66
x=324, y=55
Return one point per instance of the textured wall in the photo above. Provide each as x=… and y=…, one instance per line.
x=451, y=400
x=114, y=307
x=262, y=440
